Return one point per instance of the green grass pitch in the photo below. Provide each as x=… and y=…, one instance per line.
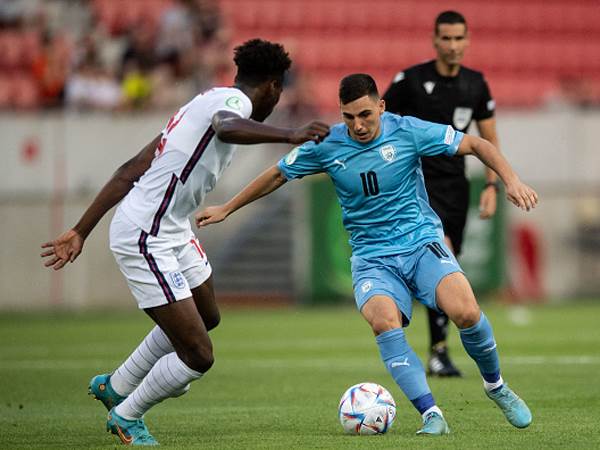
x=279, y=375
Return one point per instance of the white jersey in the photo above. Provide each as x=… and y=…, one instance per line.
x=187, y=164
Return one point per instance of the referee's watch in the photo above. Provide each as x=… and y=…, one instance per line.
x=494, y=184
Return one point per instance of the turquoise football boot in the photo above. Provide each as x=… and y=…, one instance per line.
x=102, y=390
x=131, y=432
x=514, y=408
x=434, y=425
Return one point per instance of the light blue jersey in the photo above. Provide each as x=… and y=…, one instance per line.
x=380, y=184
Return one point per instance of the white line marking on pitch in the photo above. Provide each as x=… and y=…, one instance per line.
x=314, y=363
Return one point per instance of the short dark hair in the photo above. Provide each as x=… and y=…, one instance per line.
x=450, y=18
x=356, y=86
x=258, y=61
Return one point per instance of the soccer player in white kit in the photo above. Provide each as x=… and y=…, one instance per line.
x=152, y=241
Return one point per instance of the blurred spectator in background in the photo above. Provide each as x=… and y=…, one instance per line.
x=15, y=13
x=91, y=85
x=169, y=88
x=194, y=32
x=50, y=68
x=147, y=58
x=176, y=29
x=138, y=60
x=136, y=85
x=140, y=48
x=296, y=105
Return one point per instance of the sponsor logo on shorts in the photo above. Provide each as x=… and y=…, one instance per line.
x=177, y=280
x=366, y=286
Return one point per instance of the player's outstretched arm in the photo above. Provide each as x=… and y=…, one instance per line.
x=66, y=247
x=487, y=198
x=233, y=129
x=267, y=182
x=517, y=192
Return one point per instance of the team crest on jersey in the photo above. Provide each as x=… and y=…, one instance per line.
x=462, y=117
x=291, y=156
x=429, y=85
x=234, y=102
x=177, y=279
x=388, y=153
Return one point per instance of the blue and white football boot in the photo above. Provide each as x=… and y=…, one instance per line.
x=514, y=408
x=102, y=390
x=434, y=425
x=131, y=432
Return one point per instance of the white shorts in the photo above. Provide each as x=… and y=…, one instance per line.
x=157, y=271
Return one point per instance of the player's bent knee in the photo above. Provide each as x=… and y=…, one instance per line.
x=467, y=317
x=199, y=357
x=382, y=324
x=212, y=321
x=382, y=314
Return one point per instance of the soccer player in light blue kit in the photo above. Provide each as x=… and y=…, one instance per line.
x=398, y=249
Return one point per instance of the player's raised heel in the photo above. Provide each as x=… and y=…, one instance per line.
x=514, y=408
x=131, y=432
x=434, y=425
x=101, y=389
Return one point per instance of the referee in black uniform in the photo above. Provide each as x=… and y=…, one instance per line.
x=444, y=91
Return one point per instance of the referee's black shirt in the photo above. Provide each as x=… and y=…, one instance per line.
x=422, y=92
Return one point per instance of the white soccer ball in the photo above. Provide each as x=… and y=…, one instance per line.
x=367, y=408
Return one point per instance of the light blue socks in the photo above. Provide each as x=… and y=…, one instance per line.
x=480, y=344
x=406, y=368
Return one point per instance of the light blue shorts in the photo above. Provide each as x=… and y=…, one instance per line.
x=403, y=277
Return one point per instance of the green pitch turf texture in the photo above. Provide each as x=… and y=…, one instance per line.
x=279, y=375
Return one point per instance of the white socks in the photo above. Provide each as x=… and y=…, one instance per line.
x=167, y=378
x=432, y=409
x=491, y=386
x=131, y=373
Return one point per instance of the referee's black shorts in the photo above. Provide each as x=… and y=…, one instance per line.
x=449, y=198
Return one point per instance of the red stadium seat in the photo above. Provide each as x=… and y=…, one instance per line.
x=31, y=45
x=118, y=17
x=11, y=50
x=5, y=92
x=26, y=94
x=527, y=46
x=326, y=88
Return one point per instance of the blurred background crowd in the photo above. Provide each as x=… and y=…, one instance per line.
x=140, y=54
x=109, y=55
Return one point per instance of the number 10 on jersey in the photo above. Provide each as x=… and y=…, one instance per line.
x=369, y=183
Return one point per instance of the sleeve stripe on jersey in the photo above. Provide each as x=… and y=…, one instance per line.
x=154, y=268
x=187, y=170
x=162, y=209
